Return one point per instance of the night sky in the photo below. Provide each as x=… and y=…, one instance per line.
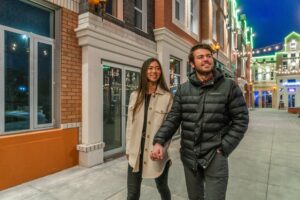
x=271, y=20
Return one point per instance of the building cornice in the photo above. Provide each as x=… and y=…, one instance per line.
x=166, y=36
x=92, y=31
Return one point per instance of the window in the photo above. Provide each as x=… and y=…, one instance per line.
x=272, y=75
x=214, y=24
x=140, y=14
x=10, y=16
x=264, y=76
x=284, y=63
x=256, y=74
x=111, y=7
x=189, y=68
x=293, y=55
x=293, y=44
x=26, y=89
x=186, y=16
x=179, y=10
x=293, y=65
x=174, y=73
x=194, y=22
x=221, y=38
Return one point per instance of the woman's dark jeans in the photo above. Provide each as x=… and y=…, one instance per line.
x=134, y=181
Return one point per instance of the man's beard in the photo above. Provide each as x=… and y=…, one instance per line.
x=203, y=73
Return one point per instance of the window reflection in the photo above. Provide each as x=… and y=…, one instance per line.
x=174, y=74
x=112, y=96
x=16, y=81
x=132, y=81
x=44, y=112
x=36, y=19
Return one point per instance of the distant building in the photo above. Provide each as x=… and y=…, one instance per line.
x=277, y=77
x=288, y=72
x=264, y=82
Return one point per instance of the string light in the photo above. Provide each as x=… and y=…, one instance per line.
x=267, y=49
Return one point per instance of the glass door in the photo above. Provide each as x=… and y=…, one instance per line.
x=118, y=83
x=266, y=99
x=112, y=104
x=291, y=99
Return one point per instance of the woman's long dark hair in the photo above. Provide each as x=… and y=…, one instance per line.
x=143, y=84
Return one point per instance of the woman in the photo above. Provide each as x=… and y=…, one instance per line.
x=147, y=109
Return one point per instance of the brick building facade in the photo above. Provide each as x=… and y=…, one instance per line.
x=34, y=140
x=93, y=68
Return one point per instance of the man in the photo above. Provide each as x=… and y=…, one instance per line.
x=214, y=118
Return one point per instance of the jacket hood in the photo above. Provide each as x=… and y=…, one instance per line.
x=217, y=75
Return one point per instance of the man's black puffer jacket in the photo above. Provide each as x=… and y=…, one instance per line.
x=212, y=116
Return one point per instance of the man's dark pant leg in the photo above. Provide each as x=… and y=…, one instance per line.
x=216, y=178
x=194, y=184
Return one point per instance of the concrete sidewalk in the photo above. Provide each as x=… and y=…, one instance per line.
x=265, y=166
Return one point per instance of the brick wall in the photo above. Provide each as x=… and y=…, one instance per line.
x=70, y=69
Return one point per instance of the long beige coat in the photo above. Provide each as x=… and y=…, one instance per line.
x=159, y=105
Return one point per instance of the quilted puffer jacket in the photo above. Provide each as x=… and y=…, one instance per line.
x=212, y=115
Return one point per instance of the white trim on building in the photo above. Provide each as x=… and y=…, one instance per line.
x=103, y=40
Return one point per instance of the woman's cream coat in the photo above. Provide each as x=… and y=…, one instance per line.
x=160, y=104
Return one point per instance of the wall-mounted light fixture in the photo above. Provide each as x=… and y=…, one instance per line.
x=100, y=6
x=216, y=47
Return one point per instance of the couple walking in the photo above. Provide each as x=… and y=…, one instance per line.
x=213, y=116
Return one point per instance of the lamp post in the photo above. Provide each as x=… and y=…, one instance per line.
x=99, y=6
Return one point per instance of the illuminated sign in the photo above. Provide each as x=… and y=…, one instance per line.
x=291, y=84
x=291, y=89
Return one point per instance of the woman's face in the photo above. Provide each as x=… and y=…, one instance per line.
x=153, y=72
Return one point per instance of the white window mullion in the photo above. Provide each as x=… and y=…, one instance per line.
x=182, y=12
x=144, y=13
x=36, y=75
x=1, y=81
x=187, y=13
x=53, y=86
x=32, y=81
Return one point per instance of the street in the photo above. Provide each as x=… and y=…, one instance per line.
x=265, y=166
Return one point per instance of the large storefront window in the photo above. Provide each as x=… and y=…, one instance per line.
x=27, y=17
x=26, y=60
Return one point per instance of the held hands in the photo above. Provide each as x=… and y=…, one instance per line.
x=157, y=152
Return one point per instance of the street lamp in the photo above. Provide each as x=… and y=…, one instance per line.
x=99, y=6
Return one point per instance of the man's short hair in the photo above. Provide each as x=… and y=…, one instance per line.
x=199, y=46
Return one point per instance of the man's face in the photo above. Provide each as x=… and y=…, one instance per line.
x=203, y=61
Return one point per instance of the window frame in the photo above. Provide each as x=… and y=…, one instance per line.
x=33, y=55
x=194, y=14
x=214, y=22
x=144, y=15
x=175, y=74
x=185, y=22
